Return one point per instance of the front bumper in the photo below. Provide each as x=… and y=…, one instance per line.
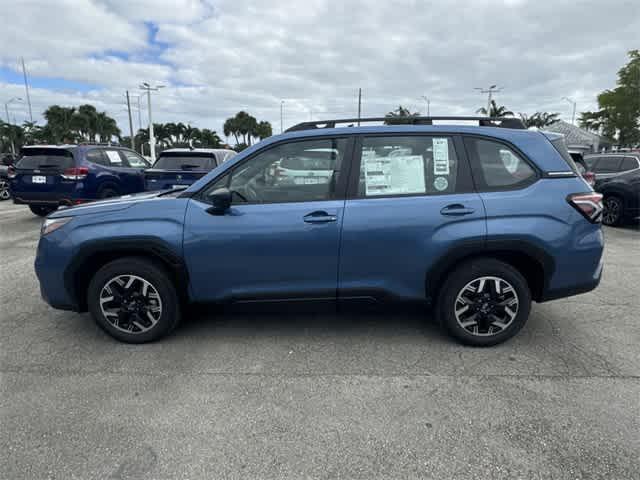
x=52, y=258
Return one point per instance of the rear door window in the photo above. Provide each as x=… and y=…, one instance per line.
x=628, y=163
x=43, y=159
x=608, y=165
x=97, y=156
x=407, y=165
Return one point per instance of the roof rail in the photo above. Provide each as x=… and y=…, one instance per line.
x=504, y=122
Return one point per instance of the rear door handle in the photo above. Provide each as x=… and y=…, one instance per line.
x=319, y=216
x=457, y=209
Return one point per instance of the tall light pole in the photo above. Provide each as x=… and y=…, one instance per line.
x=26, y=89
x=6, y=110
x=573, y=115
x=152, y=139
x=427, y=104
x=281, y=116
x=489, y=91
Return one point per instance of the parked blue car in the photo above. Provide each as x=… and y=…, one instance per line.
x=47, y=176
x=180, y=167
x=476, y=220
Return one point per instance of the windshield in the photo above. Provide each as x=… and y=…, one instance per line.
x=42, y=158
x=185, y=162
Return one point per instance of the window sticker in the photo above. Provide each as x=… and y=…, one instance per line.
x=441, y=184
x=441, y=156
x=114, y=157
x=393, y=175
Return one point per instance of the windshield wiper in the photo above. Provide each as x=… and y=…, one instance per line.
x=47, y=165
x=188, y=166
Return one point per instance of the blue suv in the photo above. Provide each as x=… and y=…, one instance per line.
x=476, y=220
x=46, y=177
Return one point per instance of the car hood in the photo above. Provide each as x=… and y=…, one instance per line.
x=108, y=205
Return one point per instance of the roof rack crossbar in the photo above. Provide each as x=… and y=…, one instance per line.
x=504, y=122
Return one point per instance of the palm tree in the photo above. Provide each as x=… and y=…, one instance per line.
x=263, y=130
x=539, y=119
x=400, y=115
x=495, y=111
x=60, y=122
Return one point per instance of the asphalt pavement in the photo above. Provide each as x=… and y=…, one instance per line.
x=359, y=394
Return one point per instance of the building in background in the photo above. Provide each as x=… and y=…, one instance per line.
x=580, y=140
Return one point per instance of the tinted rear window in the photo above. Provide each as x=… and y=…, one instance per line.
x=42, y=158
x=185, y=162
x=607, y=165
x=628, y=163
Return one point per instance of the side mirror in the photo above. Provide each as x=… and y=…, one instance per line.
x=220, y=201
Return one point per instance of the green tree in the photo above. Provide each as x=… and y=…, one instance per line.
x=495, y=111
x=619, y=109
x=399, y=116
x=263, y=130
x=61, y=124
x=539, y=119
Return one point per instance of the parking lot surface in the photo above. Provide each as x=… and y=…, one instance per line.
x=358, y=394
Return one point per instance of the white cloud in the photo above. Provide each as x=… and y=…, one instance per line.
x=223, y=56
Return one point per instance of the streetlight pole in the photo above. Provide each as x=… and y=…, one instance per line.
x=152, y=139
x=6, y=110
x=281, y=116
x=489, y=91
x=573, y=115
x=427, y=104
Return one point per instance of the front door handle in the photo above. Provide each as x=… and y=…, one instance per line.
x=319, y=216
x=457, y=209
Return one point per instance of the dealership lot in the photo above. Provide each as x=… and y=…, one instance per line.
x=358, y=394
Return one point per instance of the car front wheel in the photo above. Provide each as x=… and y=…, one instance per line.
x=484, y=302
x=134, y=300
x=42, y=210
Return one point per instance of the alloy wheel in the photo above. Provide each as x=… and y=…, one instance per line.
x=486, y=306
x=131, y=304
x=5, y=194
x=612, y=211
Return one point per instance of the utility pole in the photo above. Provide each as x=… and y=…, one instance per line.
x=281, y=116
x=489, y=91
x=427, y=104
x=26, y=89
x=6, y=110
x=359, y=104
x=133, y=142
x=152, y=139
x=573, y=115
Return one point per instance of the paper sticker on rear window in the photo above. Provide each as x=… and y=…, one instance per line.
x=114, y=157
x=441, y=156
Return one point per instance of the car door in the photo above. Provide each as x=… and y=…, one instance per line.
x=134, y=167
x=280, y=238
x=411, y=201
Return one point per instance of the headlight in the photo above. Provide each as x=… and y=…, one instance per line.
x=52, y=224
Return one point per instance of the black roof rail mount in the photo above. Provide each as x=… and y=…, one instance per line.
x=503, y=122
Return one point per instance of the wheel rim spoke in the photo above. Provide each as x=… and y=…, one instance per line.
x=486, y=306
x=131, y=304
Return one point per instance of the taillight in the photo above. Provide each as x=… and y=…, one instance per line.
x=11, y=172
x=588, y=204
x=590, y=178
x=75, y=173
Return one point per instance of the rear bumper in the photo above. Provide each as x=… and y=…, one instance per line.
x=40, y=199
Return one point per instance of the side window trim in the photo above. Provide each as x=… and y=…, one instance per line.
x=476, y=169
x=464, y=181
x=341, y=185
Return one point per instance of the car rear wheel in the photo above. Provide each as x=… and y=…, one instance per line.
x=613, y=211
x=5, y=193
x=42, y=210
x=134, y=300
x=108, y=192
x=484, y=302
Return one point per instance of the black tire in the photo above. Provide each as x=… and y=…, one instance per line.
x=465, y=275
x=42, y=210
x=161, y=282
x=5, y=193
x=613, y=214
x=108, y=192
